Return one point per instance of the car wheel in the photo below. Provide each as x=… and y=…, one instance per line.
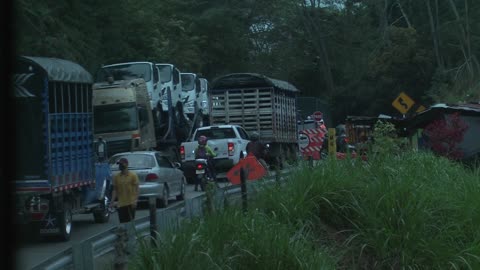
x=163, y=202
x=181, y=196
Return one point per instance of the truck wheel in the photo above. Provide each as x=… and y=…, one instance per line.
x=181, y=196
x=163, y=202
x=101, y=213
x=65, y=223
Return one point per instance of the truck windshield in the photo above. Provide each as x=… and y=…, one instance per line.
x=115, y=118
x=188, y=82
x=216, y=133
x=125, y=72
x=165, y=73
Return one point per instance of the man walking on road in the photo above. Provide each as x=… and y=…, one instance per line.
x=126, y=188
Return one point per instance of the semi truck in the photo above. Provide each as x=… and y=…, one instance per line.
x=170, y=125
x=258, y=104
x=123, y=116
x=57, y=174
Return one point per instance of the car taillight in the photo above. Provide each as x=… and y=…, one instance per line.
x=200, y=166
x=231, y=148
x=182, y=152
x=151, y=177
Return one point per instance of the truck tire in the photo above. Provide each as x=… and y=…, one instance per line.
x=65, y=222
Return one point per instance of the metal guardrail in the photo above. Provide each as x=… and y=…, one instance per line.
x=91, y=253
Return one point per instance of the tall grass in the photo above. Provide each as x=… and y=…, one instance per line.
x=406, y=211
x=410, y=211
x=234, y=240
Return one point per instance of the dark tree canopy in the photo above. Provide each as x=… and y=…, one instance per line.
x=356, y=55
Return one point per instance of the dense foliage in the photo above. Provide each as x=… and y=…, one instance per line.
x=409, y=210
x=357, y=55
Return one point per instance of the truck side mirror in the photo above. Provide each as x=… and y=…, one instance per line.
x=101, y=149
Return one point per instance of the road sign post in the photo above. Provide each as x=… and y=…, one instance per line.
x=332, y=142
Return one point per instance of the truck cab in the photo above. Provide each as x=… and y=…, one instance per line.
x=190, y=87
x=170, y=82
x=123, y=116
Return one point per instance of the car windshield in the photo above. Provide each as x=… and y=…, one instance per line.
x=165, y=73
x=135, y=161
x=125, y=72
x=216, y=133
x=115, y=118
x=187, y=82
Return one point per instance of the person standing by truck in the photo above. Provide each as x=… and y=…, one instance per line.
x=256, y=148
x=126, y=188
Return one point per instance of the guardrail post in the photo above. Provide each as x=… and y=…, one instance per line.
x=210, y=193
x=121, y=260
x=189, y=208
x=277, y=175
x=88, y=256
x=243, y=183
x=78, y=257
x=310, y=161
x=153, y=220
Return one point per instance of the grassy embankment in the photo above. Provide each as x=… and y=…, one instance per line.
x=409, y=211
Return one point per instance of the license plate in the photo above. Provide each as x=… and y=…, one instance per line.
x=47, y=231
x=200, y=171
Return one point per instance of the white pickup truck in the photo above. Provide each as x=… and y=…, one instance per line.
x=229, y=142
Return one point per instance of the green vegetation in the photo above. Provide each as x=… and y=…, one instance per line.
x=409, y=210
x=355, y=55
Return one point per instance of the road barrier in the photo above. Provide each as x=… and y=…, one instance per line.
x=97, y=252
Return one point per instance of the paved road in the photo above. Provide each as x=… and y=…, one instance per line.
x=31, y=252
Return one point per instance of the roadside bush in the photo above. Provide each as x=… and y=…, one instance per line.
x=412, y=210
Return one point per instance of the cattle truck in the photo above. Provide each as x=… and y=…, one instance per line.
x=57, y=174
x=258, y=104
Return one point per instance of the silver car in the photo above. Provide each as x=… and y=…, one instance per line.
x=157, y=174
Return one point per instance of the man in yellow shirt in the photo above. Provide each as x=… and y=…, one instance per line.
x=125, y=187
